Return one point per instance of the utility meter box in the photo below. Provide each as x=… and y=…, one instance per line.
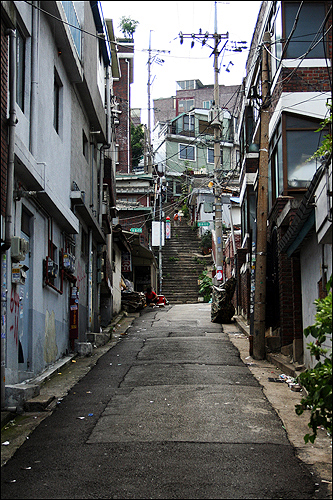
x=51, y=269
x=19, y=248
x=19, y=273
x=69, y=262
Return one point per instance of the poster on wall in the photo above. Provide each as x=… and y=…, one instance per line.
x=157, y=231
x=168, y=230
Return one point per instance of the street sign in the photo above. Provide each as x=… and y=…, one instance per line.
x=203, y=223
x=136, y=229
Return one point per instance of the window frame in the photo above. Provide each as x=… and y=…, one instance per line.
x=209, y=103
x=184, y=147
x=285, y=34
x=276, y=138
x=210, y=162
x=186, y=107
x=20, y=69
x=85, y=146
x=276, y=145
x=316, y=124
x=188, y=123
x=57, y=102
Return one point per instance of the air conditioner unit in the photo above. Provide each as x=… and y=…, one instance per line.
x=19, y=248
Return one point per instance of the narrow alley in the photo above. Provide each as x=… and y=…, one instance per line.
x=171, y=411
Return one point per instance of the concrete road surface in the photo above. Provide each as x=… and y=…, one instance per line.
x=170, y=412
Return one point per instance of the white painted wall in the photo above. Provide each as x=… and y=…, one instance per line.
x=311, y=264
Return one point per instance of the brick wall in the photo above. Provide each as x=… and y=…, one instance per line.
x=4, y=128
x=164, y=108
x=290, y=296
x=286, y=300
x=305, y=80
x=122, y=93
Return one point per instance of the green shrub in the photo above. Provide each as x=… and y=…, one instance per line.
x=206, y=240
x=206, y=286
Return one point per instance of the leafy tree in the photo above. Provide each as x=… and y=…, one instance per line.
x=318, y=381
x=326, y=146
x=137, y=144
x=128, y=26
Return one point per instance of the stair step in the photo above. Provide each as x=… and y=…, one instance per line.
x=181, y=256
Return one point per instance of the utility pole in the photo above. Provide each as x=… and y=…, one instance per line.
x=217, y=161
x=149, y=63
x=150, y=162
x=262, y=210
x=160, y=245
x=216, y=124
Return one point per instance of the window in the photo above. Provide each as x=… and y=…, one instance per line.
x=186, y=152
x=183, y=125
x=84, y=243
x=188, y=122
x=308, y=29
x=302, y=141
x=210, y=155
x=26, y=221
x=207, y=104
x=185, y=105
x=275, y=28
x=57, y=86
x=187, y=84
x=74, y=25
x=20, y=68
x=225, y=158
x=248, y=211
x=84, y=145
x=275, y=169
x=293, y=142
x=116, y=153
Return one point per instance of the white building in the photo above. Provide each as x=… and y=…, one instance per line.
x=53, y=264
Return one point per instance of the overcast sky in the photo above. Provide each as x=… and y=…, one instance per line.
x=165, y=20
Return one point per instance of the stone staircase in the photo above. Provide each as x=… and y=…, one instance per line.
x=182, y=263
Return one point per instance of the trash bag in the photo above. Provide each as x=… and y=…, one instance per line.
x=222, y=309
